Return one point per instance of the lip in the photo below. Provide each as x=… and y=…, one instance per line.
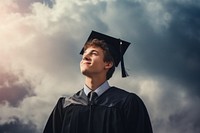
x=86, y=62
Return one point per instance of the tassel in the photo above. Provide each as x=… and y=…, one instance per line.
x=124, y=73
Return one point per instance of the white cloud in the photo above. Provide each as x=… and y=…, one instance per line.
x=31, y=43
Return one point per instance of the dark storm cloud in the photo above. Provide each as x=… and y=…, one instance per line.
x=185, y=121
x=13, y=88
x=165, y=47
x=185, y=28
x=173, y=51
x=178, y=111
x=17, y=126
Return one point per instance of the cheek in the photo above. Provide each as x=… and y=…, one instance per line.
x=100, y=63
x=98, y=59
x=81, y=65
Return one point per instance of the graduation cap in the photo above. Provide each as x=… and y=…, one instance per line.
x=117, y=48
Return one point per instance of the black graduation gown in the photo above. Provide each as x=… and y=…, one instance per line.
x=115, y=111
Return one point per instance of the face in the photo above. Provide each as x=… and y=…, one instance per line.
x=92, y=63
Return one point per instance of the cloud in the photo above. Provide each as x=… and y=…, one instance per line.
x=171, y=108
x=39, y=53
x=13, y=88
x=162, y=47
x=17, y=126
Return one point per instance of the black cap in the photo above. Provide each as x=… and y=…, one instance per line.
x=117, y=48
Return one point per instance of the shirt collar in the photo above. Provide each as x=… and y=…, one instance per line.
x=100, y=90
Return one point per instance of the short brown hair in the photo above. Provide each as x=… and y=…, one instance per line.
x=107, y=55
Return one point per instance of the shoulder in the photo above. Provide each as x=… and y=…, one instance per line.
x=78, y=98
x=60, y=101
x=129, y=97
x=122, y=93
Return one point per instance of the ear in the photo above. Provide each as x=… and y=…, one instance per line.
x=108, y=65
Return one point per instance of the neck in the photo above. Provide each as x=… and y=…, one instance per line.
x=94, y=83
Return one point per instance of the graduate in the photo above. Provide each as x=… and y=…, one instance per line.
x=99, y=107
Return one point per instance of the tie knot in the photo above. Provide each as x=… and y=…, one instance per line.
x=92, y=96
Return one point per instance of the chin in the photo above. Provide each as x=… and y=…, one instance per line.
x=84, y=72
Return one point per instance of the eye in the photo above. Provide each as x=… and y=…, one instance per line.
x=94, y=52
x=91, y=53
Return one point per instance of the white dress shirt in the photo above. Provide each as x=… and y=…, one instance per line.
x=100, y=90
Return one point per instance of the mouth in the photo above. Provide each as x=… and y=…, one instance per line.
x=86, y=62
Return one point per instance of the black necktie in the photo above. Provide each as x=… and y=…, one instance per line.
x=92, y=96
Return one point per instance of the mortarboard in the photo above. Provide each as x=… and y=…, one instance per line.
x=117, y=48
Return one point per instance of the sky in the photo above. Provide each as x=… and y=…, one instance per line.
x=40, y=41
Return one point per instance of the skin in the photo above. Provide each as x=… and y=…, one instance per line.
x=94, y=67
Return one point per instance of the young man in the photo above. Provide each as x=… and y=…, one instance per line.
x=99, y=108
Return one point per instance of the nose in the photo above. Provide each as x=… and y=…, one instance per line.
x=86, y=56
